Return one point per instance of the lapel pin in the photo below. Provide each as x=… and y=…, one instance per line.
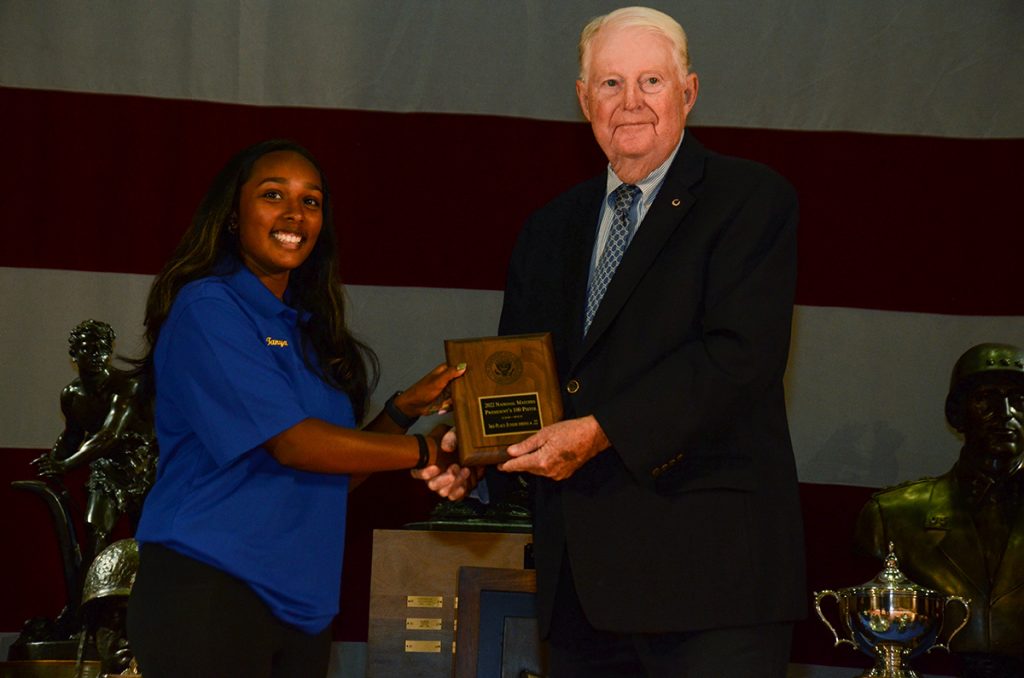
x=676, y=202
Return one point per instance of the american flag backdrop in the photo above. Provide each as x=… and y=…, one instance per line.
x=441, y=124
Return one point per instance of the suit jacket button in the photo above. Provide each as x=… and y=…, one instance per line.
x=573, y=386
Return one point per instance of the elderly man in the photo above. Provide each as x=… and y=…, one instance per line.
x=963, y=532
x=667, y=530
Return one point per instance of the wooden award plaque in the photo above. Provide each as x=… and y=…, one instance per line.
x=508, y=392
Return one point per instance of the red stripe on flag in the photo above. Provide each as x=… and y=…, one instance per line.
x=108, y=183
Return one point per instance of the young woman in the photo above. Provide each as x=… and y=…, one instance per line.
x=259, y=388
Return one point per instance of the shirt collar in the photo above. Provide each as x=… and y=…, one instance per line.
x=256, y=295
x=981, y=488
x=649, y=185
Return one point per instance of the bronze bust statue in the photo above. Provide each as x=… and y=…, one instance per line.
x=963, y=532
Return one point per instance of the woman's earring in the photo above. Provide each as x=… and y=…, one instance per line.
x=233, y=224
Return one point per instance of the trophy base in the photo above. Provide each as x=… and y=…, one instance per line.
x=890, y=663
x=469, y=515
x=882, y=672
x=49, y=668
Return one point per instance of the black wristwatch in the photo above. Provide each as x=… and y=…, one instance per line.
x=396, y=414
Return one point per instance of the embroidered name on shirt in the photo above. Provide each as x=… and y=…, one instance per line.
x=277, y=342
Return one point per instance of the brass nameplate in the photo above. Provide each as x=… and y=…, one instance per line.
x=508, y=392
x=424, y=601
x=502, y=415
x=433, y=646
x=422, y=624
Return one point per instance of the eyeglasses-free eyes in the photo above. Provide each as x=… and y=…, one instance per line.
x=648, y=84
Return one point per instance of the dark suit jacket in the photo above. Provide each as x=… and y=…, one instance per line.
x=691, y=520
x=930, y=524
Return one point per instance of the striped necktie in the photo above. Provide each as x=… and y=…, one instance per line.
x=618, y=240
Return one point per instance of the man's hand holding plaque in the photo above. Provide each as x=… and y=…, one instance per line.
x=559, y=450
x=508, y=392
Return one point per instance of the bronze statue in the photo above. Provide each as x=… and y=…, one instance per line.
x=107, y=427
x=963, y=532
x=105, y=604
x=507, y=511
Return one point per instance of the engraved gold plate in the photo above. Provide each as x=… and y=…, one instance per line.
x=424, y=601
x=433, y=646
x=422, y=624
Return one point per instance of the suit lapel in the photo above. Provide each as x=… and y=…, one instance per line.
x=583, y=235
x=1010, y=576
x=960, y=543
x=671, y=206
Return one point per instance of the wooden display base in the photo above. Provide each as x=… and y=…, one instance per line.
x=48, y=668
x=413, y=595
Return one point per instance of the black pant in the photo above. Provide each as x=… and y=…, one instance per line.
x=578, y=650
x=189, y=620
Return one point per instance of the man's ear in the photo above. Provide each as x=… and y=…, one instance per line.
x=584, y=99
x=690, y=87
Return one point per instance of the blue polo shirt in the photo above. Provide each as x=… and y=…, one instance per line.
x=229, y=376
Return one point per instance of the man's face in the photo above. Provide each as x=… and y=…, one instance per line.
x=635, y=95
x=90, y=353
x=994, y=423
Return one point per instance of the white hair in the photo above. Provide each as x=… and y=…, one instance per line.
x=639, y=17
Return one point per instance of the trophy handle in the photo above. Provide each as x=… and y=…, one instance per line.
x=818, y=597
x=967, y=616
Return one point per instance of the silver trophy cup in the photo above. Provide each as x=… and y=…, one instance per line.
x=891, y=619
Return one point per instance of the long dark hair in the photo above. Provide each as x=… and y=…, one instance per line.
x=207, y=246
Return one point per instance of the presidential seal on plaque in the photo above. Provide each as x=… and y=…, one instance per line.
x=508, y=392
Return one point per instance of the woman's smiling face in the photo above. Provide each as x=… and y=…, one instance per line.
x=280, y=212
